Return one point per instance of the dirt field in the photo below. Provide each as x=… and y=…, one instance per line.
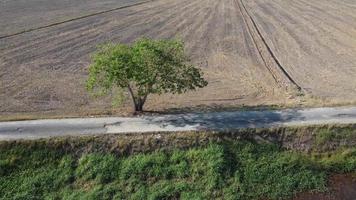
x=252, y=52
x=315, y=41
x=19, y=15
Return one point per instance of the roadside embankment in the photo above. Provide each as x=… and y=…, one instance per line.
x=300, y=138
x=280, y=163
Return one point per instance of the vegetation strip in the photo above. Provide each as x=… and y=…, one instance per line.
x=237, y=170
x=249, y=164
x=73, y=19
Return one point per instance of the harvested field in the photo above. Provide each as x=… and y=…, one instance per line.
x=252, y=52
x=314, y=40
x=20, y=15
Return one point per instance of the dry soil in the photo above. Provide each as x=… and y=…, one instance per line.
x=252, y=52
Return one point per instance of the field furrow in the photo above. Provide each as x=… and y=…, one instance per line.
x=315, y=41
x=251, y=52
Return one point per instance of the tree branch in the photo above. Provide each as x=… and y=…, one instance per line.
x=132, y=94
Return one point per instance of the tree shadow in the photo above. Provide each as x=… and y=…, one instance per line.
x=229, y=119
x=207, y=108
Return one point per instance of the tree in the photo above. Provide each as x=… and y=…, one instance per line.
x=144, y=67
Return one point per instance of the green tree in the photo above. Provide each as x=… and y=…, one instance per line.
x=144, y=67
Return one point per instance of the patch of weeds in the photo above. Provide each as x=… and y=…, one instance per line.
x=207, y=168
x=98, y=167
x=34, y=183
x=325, y=135
x=267, y=172
x=343, y=160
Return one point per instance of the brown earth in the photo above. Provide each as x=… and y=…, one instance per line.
x=250, y=53
x=341, y=187
x=315, y=41
x=19, y=15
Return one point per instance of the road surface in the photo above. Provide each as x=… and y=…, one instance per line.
x=34, y=129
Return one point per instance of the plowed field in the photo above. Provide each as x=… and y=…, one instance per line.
x=257, y=52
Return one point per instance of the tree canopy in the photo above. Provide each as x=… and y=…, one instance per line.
x=144, y=67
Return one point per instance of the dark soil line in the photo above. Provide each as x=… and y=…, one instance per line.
x=74, y=19
x=249, y=31
x=285, y=73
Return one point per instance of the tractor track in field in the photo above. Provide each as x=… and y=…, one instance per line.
x=73, y=19
x=271, y=62
x=252, y=53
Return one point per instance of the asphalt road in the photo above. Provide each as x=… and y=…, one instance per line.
x=34, y=129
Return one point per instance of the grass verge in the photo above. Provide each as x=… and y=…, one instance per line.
x=220, y=170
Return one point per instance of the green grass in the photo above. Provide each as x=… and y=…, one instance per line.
x=326, y=135
x=238, y=170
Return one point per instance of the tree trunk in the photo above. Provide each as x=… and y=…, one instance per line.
x=139, y=107
x=139, y=104
x=138, y=101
